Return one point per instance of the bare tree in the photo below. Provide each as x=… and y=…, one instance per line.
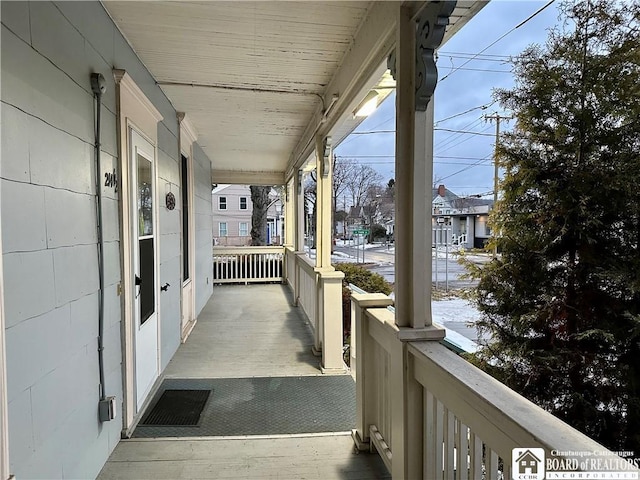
x=343, y=169
x=310, y=204
x=261, y=203
x=361, y=179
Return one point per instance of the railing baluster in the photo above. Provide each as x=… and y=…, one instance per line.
x=462, y=451
x=506, y=469
x=449, y=437
x=491, y=463
x=430, y=445
x=475, y=447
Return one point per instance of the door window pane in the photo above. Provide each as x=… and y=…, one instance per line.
x=145, y=197
x=185, y=218
x=147, y=277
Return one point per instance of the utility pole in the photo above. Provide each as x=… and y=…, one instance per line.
x=497, y=118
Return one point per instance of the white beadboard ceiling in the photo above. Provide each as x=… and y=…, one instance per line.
x=249, y=74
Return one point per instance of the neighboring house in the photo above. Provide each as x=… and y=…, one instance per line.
x=232, y=209
x=466, y=216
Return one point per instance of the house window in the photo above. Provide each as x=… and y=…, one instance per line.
x=223, y=229
x=222, y=203
x=244, y=229
x=243, y=203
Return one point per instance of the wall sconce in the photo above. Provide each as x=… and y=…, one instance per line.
x=367, y=106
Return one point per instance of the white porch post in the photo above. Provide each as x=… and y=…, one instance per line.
x=324, y=175
x=296, y=222
x=418, y=35
x=414, y=170
x=4, y=414
x=329, y=281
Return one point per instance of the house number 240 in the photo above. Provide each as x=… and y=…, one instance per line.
x=111, y=180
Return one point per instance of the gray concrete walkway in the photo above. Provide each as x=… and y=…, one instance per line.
x=245, y=331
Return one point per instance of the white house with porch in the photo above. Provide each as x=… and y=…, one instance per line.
x=117, y=119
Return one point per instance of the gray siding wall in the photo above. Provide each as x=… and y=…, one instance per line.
x=49, y=233
x=204, y=226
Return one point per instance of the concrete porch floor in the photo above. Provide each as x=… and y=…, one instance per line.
x=245, y=331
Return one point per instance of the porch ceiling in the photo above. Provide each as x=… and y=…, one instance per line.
x=254, y=77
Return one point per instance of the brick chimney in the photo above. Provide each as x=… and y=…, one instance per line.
x=441, y=190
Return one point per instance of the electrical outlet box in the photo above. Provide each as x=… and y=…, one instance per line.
x=107, y=409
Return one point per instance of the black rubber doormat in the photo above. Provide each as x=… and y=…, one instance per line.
x=265, y=406
x=177, y=408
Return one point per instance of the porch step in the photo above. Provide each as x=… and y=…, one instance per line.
x=263, y=406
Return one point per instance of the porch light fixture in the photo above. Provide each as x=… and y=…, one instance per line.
x=368, y=105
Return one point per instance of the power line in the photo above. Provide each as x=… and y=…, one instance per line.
x=464, y=132
x=501, y=61
x=452, y=157
x=469, y=54
x=496, y=41
x=466, y=168
x=449, y=139
x=481, y=107
x=488, y=70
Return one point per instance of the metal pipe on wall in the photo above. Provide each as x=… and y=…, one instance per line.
x=106, y=406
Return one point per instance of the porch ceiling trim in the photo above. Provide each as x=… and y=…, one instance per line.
x=245, y=177
x=373, y=43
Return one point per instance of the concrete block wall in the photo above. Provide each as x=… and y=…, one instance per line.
x=49, y=234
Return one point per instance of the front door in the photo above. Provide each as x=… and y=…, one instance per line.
x=144, y=246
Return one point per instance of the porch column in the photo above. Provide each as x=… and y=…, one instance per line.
x=329, y=281
x=324, y=174
x=289, y=214
x=419, y=33
x=297, y=229
x=414, y=169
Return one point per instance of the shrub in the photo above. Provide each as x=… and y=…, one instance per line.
x=362, y=278
x=378, y=232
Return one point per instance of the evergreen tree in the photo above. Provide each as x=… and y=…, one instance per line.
x=561, y=304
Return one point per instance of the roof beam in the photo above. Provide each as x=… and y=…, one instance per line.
x=247, y=177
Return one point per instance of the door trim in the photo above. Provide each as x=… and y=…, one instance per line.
x=188, y=137
x=133, y=108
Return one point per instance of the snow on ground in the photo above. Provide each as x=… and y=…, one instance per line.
x=456, y=315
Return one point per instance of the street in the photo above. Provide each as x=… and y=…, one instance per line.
x=448, y=271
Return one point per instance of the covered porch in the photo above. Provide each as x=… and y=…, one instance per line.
x=268, y=109
x=251, y=334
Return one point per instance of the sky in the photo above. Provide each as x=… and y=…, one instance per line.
x=470, y=171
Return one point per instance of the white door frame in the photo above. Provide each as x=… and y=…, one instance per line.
x=188, y=137
x=133, y=108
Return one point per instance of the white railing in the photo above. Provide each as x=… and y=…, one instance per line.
x=247, y=264
x=459, y=240
x=308, y=293
x=431, y=414
x=290, y=267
